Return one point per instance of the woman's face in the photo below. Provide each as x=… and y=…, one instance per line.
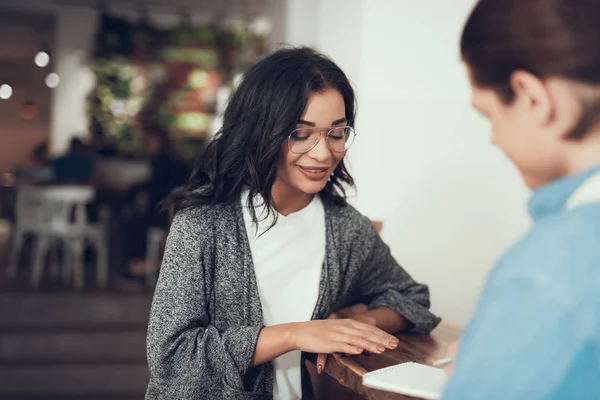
x=522, y=130
x=309, y=172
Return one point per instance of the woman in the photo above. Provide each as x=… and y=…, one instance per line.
x=264, y=247
x=534, y=68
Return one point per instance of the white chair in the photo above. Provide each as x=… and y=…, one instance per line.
x=58, y=214
x=28, y=219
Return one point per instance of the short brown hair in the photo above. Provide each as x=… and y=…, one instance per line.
x=548, y=38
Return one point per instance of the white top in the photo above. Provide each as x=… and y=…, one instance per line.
x=288, y=260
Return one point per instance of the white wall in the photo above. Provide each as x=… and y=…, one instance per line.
x=302, y=26
x=422, y=161
x=340, y=36
x=74, y=39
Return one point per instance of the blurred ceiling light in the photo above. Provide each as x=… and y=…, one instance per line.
x=261, y=26
x=52, y=80
x=42, y=59
x=6, y=92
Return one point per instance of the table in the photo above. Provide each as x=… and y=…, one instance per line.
x=348, y=371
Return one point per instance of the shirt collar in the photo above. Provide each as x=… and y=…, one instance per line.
x=550, y=199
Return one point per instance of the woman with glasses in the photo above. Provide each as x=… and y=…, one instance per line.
x=264, y=247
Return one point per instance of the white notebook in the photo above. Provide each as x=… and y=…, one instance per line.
x=411, y=379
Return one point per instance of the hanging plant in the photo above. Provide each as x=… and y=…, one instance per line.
x=185, y=108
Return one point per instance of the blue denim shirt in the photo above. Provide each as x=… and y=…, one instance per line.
x=536, y=333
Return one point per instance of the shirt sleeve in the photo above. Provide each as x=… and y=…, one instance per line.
x=384, y=283
x=522, y=341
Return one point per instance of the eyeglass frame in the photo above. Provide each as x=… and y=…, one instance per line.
x=318, y=140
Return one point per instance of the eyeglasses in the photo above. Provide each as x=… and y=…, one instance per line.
x=303, y=140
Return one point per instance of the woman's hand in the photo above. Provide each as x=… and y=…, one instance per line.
x=340, y=336
x=450, y=353
x=357, y=313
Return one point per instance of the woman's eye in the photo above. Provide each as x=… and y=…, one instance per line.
x=300, y=135
x=300, y=138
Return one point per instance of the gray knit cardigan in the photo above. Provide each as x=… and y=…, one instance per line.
x=206, y=313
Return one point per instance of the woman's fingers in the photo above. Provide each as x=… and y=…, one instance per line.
x=354, y=337
x=342, y=336
x=363, y=343
x=321, y=361
x=375, y=335
x=349, y=349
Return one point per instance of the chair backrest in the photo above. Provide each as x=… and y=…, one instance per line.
x=64, y=207
x=53, y=209
x=28, y=207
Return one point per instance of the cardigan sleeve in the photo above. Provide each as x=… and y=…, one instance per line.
x=188, y=357
x=384, y=283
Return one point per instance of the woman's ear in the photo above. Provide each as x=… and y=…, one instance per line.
x=532, y=94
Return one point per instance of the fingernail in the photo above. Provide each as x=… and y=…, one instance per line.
x=394, y=342
x=380, y=349
x=359, y=349
x=319, y=368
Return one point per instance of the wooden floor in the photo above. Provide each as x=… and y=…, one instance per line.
x=58, y=344
x=63, y=346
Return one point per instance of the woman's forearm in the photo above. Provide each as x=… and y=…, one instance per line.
x=388, y=320
x=273, y=341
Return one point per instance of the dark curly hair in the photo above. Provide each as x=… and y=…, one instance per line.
x=259, y=117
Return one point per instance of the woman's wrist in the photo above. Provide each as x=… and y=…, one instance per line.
x=290, y=335
x=274, y=341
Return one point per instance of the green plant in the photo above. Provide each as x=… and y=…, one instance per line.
x=120, y=43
